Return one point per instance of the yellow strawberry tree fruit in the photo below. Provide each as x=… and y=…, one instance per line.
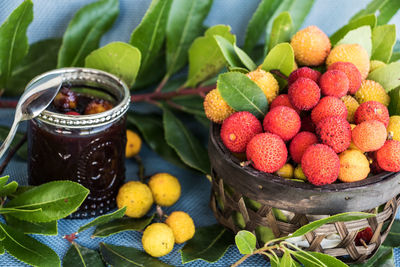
x=394, y=127
x=372, y=91
x=166, y=189
x=215, y=107
x=158, y=239
x=266, y=81
x=136, y=197
x=182, y=226
x=133, y=144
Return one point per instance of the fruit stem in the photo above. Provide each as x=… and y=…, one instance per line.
x=162, y=83
x=245, y=163
x=139, y=162
x=160, y=212
x=11, y=154
x=280, y=74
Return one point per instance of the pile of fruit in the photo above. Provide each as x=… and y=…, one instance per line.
x=327, y=123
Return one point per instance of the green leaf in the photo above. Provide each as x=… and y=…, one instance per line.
x=2, y=250
x=383, y=40
x=185, y=144
x=245, y=242
x=388, y=76
x=126, y=256
x=383, y=258
x=121, y=225
x=258, y=23
x=184, y=25
x=191, y=104
x=18, y=212
x=44, y=228
x=149, y=35
x=209, y=243
x=205, y=58
x=23, y=151
x=152, y=74
x=281, y=58
x=371, y=8
x=57, y=200
x=85, y=31
x=368, y=20
x=228, y=51
x=78, y=256
x=393, y=238
x=242, y=94
x=238, y=69
x=395, y=57
x=8, y=189
x=244, y=58
x=387, y=11
x=20, y=189
x=152, y=129
x=361, y=36
x=394, y=105
x=286, y=260
x=27, y=249
x=13, y=40
x=103, y=219
x=36, y=62
x=281, y=31
x=118, y=58
x=316, y=259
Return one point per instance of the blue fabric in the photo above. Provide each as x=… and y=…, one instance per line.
x=51, y=19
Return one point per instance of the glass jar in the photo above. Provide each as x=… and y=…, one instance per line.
x=87, y=149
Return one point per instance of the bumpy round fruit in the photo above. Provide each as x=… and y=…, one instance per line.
x=238, y=129
x=335, y=132
x=266, y=81
x=65, y=100
x=311, y=46
x=354, y=166
x=351, y=106
x=166, y=189
x=364, y=235
x=376, y=64
x=158, y=239
x=372, y=110
x=304, y=93
x=334, y=83
x=372, y=91
x=98, y=106
x=282, y=100
x=267, y=152
x=369, y=135
x=182, y=225
x=300, y=143
x=304, y=72
x=327, y=107
x=299, y=174
x=394, y=127
x=320, y=164
x=282, y=121
x=136, y=197
x=388, y=156
x=352, y=73
x=286, y=171
x=352, y=145
x=133, y=144
x=215, y=107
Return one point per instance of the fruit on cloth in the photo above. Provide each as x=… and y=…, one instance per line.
x=393, y=128
x=158, y=239
x=282, y=100
x=372, y=91
x=351, y=106
x=65, y=100
x=352, y=73
x=286, y=171
x=311, y=46
x=372, y=110
x=299, y=174
x=327, y=107
x=388, y=156
x=335, y=132
x=267, y=152
x=304, y=72
x=215, y=107
x=375, y=64
x=320, y=164
x=334, y=83
x=354, y=166
x=282, y=121
x=352, y=145
x=238, y=129
x=182, y=226
x=353, y=53
x=133, y=144
x=98, y=106
x=166, y=189
x=369, y=135
x=137, y=198
x=266, y=81
x=304, y=93
x=300, y=143
x=364, y=235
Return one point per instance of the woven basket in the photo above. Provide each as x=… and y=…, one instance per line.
x=232, y=184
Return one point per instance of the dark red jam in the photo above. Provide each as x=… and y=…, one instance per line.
x=93, y=157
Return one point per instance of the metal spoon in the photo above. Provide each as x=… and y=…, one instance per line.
x=32, y=102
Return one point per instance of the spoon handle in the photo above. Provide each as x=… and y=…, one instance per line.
x=10, y=137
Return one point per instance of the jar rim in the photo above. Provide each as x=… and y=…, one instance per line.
x=101, y=78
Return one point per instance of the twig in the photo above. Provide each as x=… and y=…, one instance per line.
x=11, y=154
x=8, y=103
x=162, y=84
x=140, y=168
x=280, y=74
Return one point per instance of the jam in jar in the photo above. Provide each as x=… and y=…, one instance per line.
x=81, y=137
